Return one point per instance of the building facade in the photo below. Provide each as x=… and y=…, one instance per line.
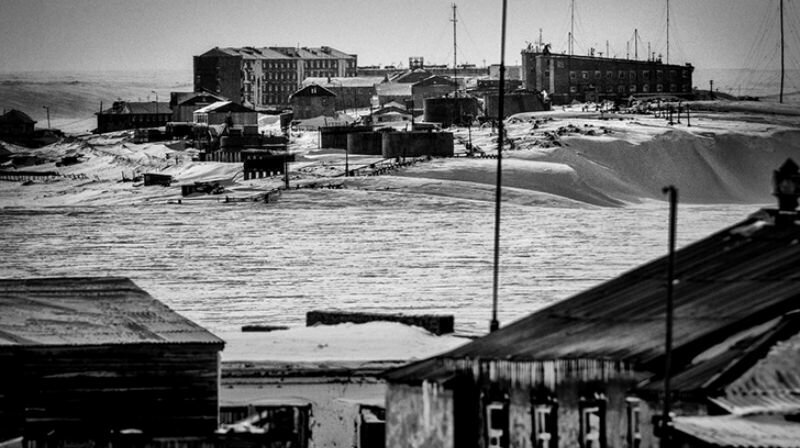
x=133, y=115
x=16, y=124
x=589, y=78
x=265, y=77
x=313, y=101
x=351, y=92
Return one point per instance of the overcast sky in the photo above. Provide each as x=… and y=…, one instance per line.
x=165, y=34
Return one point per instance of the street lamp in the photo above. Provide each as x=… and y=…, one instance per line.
x=48, y=116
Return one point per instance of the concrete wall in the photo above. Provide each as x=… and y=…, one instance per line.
x=415, y=144
x=436, y=324
x=520, y=421
x=419, y=417
x=369, y=143
x=448, y=111
x=336, y=136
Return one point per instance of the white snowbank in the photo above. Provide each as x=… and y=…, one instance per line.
x=374, y=341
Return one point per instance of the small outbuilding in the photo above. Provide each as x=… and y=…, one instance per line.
x=228, y=113
x=87, y=361
x=313, y=101
x=16, y=124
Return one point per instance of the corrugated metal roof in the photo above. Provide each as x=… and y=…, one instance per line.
x=747, y=363
x=767, y=431
x=89, y=311
x=393, y=89
x=769, y=402
x=737, y=278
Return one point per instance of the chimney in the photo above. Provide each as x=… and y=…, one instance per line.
x=786, y=187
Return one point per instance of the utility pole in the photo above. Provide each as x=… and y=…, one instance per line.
x=628, y=50
x=636, y=44
x=782, y=74
x=668, y=31
x=495, y=324
x=455, y=66
x=48, y=116
x=665, y=423
x=608, y=55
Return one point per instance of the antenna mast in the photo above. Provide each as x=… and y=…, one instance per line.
x=572, y=28
x=455, y=66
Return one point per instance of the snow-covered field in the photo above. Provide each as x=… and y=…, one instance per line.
x=582, y=203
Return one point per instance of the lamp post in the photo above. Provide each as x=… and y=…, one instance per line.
x=48, y=116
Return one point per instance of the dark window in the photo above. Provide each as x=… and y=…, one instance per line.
x=572, y=74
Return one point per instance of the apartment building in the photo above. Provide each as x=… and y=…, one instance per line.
x=265, y=77
x=591, y=78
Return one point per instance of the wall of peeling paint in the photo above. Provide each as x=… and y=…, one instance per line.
x=419, y=417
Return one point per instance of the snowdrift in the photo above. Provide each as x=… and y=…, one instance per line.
x=710, y=168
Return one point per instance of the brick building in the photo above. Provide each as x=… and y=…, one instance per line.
x=590, y=78
x=265, y=77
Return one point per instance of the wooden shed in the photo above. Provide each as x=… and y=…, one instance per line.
x=88, y=359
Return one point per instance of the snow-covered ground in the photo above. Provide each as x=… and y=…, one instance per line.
x=582, y=203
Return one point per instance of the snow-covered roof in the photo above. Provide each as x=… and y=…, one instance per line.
x=223, y=106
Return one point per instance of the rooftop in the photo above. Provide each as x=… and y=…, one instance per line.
x=89, y=311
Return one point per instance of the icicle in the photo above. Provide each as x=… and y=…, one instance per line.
x=426, y=405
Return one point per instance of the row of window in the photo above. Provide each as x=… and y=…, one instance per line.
x=629, y=88
x=592, y=426
x=278, y=64
x=631, y=75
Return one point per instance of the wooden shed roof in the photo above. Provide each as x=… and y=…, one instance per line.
x=738, y=278
x=15, y=116
x=89, y=311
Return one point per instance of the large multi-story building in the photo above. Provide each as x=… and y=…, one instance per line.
x=265, y=77
x=589, y=78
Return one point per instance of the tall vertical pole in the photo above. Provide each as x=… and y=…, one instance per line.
x=673, y=216
x=782, y=74
x=608, y=55
x=636, y=44
x=667, y=31
x=494, y=324
x=571, y=27
x=455, y=66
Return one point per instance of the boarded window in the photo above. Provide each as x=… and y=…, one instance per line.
x=592, y=427
x=634, y=432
